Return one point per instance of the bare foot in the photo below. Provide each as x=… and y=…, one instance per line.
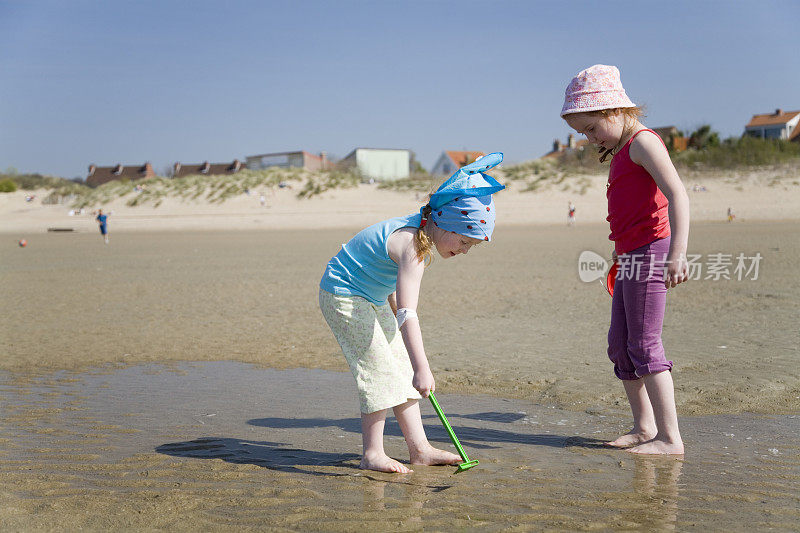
x=659, y=447
x=633, y=438
x=434, y=456
x=383, y=463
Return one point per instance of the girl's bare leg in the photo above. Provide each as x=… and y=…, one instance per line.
x=644, y=422
x=661, y=392
x=419, y=449
x=375, y=457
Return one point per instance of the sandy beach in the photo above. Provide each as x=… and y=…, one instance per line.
x=182, y=376
x=758, y=195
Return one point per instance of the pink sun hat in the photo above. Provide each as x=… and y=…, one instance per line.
x=598, y=87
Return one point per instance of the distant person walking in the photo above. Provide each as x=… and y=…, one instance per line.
x=731, y=215
x=102, y=221
x=571, y=214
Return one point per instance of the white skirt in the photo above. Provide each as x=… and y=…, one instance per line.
x=374, y=349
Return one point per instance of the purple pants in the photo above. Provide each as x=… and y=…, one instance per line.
x=637, y=312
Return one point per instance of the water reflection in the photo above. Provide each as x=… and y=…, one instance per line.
x=655, y=483
x=408, y=498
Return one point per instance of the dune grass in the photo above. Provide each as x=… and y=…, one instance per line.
x=419, y=182
x=569, y=172
x=197, y=188
x=318, y=183
x=548, y=174
x=738, y=153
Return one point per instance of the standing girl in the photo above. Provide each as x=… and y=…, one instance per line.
x=369, y=295
x=648, y=211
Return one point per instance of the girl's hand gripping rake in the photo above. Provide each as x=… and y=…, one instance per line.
x=467, y=464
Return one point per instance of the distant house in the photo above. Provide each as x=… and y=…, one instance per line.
x=672, y=138
x=561, y=148
x=670, y=135
x=379, y=163
x=452, y=160
x=100, y=175
x=299, y=159
x=778, y=125
x=666, y=131
x=206, y=169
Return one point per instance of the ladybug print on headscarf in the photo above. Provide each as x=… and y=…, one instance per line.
x=459, y=203
x=467, y=216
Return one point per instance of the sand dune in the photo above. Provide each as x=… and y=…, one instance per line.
x=762, y=195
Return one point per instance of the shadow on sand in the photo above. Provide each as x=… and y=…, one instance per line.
x=475, y=437
x=282, y=457
x=276, y=456
x=272, y=455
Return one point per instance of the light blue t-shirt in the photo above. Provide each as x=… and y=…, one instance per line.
x=363, y=266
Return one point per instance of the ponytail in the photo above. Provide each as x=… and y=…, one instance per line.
x=422, y=241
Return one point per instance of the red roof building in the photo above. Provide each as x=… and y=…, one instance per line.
x=672, y=138
x=561, y=148
x=452, y=160
x=206, y=169
x=100, y=175
x=778, y=125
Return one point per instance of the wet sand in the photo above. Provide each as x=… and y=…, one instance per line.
x=512, y=319
x=105, y=426
x=227, y=445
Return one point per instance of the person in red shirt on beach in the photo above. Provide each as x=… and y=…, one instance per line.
x=648, y=211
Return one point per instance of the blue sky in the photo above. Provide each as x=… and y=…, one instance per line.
x=162, y=81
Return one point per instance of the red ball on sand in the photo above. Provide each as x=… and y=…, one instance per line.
x=23, y=243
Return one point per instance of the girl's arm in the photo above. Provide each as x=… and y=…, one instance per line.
x=409, y=279
x=648, y=151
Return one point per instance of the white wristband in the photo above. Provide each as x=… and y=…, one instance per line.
x=404, y=314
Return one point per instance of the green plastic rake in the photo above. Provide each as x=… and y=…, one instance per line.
x=467, y=464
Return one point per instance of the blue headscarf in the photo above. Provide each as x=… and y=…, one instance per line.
x=463, y=204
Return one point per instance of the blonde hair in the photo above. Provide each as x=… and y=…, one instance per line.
x=422, y=241
x=629, y=114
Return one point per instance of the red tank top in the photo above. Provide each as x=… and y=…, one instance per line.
x=637, y=209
